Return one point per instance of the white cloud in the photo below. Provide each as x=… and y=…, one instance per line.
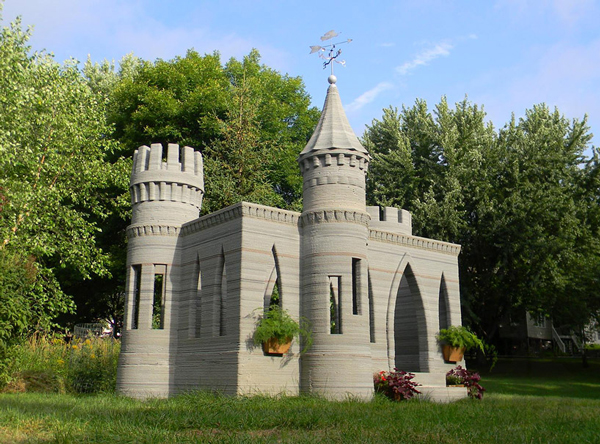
x=423, y=58
x=369, y=96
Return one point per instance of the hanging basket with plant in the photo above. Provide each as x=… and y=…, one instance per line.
x=455, y=340
x=276, y=329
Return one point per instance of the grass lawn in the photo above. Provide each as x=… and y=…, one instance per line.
x=552, y=401
x=564, y=377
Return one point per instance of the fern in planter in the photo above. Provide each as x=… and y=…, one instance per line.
x=459, y=337
x=277, y=324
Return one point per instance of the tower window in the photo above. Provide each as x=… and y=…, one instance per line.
x=137, y=282
x=355, y=286
x=335, y=305
x=158, y=301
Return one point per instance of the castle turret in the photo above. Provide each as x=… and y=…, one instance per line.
x=166, y=193
x=334, y=292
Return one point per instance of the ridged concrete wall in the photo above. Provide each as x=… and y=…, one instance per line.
x=391, y=289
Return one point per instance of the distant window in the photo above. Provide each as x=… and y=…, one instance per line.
x=539, y=321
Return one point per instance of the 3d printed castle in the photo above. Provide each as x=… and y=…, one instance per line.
x=193, y=283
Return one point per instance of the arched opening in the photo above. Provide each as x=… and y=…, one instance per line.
x=195, y=307
x=220, y=296
x=371, y=310
x=443, y=305
x=409, y=320
x=273, y=294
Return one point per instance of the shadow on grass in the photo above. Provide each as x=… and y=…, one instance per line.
x=562, y=377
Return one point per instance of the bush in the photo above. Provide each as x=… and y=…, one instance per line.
x=49, y=364
x=397, y=385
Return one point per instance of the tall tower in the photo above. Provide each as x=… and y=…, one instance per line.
x=333, y=255
x=166, y=192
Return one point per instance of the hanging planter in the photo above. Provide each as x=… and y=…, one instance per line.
x=455, y=340
x=453, y=354
x=276, y=329
x=274, y=347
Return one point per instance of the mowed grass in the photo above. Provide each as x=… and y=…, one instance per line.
x=564, y=377
x=508, y=413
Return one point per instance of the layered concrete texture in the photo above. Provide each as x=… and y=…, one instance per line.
x=374, y=294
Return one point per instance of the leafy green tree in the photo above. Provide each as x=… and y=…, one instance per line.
x=242, y=109
x=519, y=201
x=54, y=179
x=249, y=120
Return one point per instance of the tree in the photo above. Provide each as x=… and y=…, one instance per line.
x=249, y=120
x=517, y=200
x=193, y=100
x=53, y=182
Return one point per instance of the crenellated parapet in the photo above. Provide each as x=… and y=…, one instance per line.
x=179, y=178
x=334, y=168
x=333, y=215
x=390, y=219
x=158, y=180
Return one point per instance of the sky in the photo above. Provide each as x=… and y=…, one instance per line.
x=504, y=55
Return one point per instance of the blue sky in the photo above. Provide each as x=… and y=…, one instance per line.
x=506, y=55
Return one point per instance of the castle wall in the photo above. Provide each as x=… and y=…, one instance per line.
x=215, y=349
x=375, y=294
x=270, y=251
x=406, y=274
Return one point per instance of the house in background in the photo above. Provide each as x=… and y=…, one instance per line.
x=527, y=334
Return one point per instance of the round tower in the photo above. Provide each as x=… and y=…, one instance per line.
x=166, y=192
x=333, y=255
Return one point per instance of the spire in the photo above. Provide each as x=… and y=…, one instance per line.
x=333, y=132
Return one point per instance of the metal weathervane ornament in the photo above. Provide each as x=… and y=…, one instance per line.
x=332, y=52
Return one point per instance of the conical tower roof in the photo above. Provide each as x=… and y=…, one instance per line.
x=333, y=132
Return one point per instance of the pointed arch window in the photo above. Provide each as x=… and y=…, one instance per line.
x=443, y=305
x=335, y=305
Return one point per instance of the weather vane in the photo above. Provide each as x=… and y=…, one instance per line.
x=332, y=52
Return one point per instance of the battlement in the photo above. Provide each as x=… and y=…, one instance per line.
x=183, y=166
x=342, y=158
x=180, y=178
x=390, y=219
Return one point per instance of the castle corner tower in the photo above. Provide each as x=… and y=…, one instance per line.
x=333, y=257
x=166, y=192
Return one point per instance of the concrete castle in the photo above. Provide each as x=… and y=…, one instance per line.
x=374, y=293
